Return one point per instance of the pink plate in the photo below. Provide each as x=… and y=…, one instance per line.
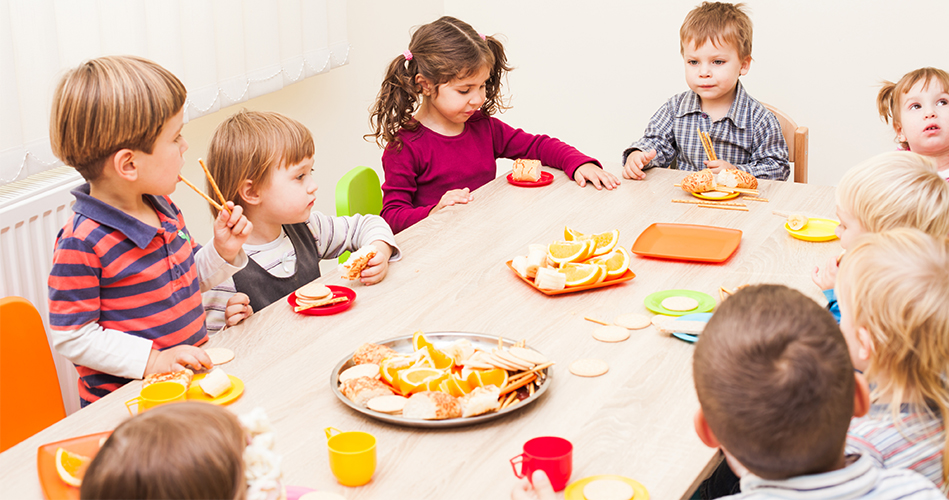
x=338, y=291
x=545, y=179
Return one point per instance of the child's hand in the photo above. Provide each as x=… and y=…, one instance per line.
x=238, y=309
x=826, y=278
x=542, y=490
x=176, y=359
x=636, y=162
x=453, y=197
x=378, y=265
x=597, y=176
x=230, y=232
x=718, y=165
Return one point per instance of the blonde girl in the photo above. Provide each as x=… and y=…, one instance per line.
x=893, y=289
x=890, y=190
x=918, y=105
x=433, y=118
x=183, y=450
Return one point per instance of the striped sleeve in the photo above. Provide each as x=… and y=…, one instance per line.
x=215, y=304
x=335, y=235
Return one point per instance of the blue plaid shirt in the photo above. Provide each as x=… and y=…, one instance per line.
x=749, y=136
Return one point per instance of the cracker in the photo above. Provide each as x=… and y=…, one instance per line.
x=499, y=362
x=219, y=355
x=514, y=360
x=679, y=304
x=529, y=355
x=364, y=370
x=608, y=489
x=611, y=333
x=387, y=404
x=589, y=367
x=314, y=291
x=321, y=495
x=659, y=319
x=632, y=321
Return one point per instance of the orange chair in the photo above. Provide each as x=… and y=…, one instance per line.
x=30, y=398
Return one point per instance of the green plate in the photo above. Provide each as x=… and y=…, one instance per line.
x=653, y=302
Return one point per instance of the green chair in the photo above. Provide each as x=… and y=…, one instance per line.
x=358, y=192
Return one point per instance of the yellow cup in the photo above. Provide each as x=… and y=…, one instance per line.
x=352, y=456
x=156, y=394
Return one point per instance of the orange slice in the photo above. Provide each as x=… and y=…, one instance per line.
x=617, y=262
x=419, y=341
x=71, y=466
x=433, y=358
x=572, y=235
x=583, y=274
x=412, y=380
x=562, y=252
x=482, y=378
x=457, y=386
x=605, y=242
x=390, y=367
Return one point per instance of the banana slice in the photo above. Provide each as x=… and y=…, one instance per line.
x=797, y=221
x=549, y=279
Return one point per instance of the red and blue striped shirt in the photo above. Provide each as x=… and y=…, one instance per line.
x=125, y=275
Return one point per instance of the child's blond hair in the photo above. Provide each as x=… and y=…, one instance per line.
x=182, y=450
x=896, y=285
x=249, y=144
x=891, y=94
x=896, y=189
x=111, y=103
x=719, y=23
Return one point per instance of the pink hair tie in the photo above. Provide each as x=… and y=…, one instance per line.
x=482, y=36
x=407, y=54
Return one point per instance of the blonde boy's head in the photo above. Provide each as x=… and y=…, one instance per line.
x=249, y=144
x=895, y=286
x=891, y=94
x=720, y=23
x=896, y=189
x=108, y=104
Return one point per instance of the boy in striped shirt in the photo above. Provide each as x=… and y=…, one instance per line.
x=125, y=287
x=777, y=390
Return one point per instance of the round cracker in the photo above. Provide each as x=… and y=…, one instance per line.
x=364, y=370
x=501, y=363
x=387, y=404
x=659, y=319
x=589, y=367
x=679, y=303
x=608, y=489
x=314, y=291
x=219, y=355
x=611, y=333
x=715, y=194
x=321, y=495
x=632, y=321
x=529, y=355
x=514, y=360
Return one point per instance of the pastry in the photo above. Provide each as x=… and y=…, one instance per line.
x=183, y=377
x=480, y=400
x=526, y=170
x=430, y=405
x=371, y=353
x=358, y=261
x=699, y=182
x=735, y=178
x=361, y=389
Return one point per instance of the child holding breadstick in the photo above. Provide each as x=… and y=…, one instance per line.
x=918, y=105
x=262, y=162
x=433, y=118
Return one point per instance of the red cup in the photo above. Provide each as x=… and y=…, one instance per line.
x=551, y=454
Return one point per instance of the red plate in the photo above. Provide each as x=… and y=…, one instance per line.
x=687, y=242
x=545, y=178
x=53, y=487
x=628, y=275
x=338, y=291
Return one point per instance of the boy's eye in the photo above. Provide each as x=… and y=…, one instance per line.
x=942, y=102
x=692, y=62
x=914, y=106
x=719, y=62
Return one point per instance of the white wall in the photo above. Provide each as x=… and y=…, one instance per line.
x=592, y=74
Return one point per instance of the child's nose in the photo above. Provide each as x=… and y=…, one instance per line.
x=311, y=185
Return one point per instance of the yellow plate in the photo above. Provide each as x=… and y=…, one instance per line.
x=724, y=196
x=196, y=394
x=574, y=491
x=815, y=230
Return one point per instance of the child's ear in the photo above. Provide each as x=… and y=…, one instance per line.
x=861, y=395
x=248, y=192
x=122, y=165
x=745, y=65
x=424, y=84
x=866, y=344
x=704, y=431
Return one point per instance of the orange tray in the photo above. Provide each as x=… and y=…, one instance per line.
x=628, y=275
x=53, y=487
x=687, y=242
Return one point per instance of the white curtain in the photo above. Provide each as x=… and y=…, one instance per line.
x=225, y=52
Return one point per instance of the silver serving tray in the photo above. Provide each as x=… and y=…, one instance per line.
x=439, y=340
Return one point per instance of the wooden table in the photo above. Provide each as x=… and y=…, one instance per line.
x=634, y=421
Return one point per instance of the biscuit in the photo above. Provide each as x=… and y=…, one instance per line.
x=370, y=370
x=632, y=321
x=679, y=304
x=219, y=355
x=529, y=355
x=314, y=291
x=589, y=367
x=608, y=489
x=513, y=360
x=611, y=333
x=387, y=404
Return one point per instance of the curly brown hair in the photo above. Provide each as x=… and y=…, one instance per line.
x=441, y=51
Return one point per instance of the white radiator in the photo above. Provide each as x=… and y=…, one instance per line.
x=32, y=211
